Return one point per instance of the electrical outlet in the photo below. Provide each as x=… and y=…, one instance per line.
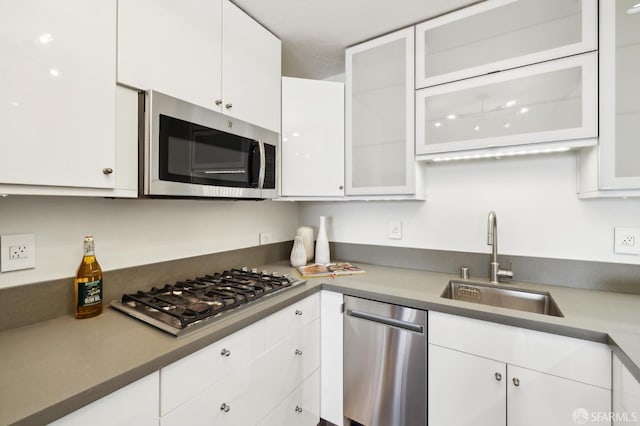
x=265, y=238
x=395, y=230
x=627, y=240
x=17, y=252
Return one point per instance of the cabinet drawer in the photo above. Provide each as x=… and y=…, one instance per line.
x=281, y=369
x=280, y=325
x=226, y=359
x=135, y=404
x=300, y=408
x=227, y=402
x=568, y=357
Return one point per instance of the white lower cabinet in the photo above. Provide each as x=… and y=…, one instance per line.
x=300, y=408
x=483, y=373
x=135, y=404
x=626, y=396
x=465, y=389
x=331, y=356
x=246, y=377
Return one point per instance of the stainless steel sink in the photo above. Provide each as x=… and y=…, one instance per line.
x=539, y=302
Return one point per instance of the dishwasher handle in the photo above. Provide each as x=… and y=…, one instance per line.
x=416, y=328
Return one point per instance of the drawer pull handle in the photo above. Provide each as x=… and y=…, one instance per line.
x=224, y=407
x=225, y=352
x=498, y=376
x=298, y=409
x=298, y=352
x=107, y=170
x=298, y=312
x=516, y=381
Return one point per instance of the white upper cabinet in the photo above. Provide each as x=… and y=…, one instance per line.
x=502, y=34
x=613, y=168
x=379, y=107
x=251, y=69
x=57, y=96
x=173, y=47
x=207, y=52
x=547, y=102
x=312, y=138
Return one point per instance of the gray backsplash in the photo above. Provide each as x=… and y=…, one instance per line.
x=26, y=304
x=615, y=277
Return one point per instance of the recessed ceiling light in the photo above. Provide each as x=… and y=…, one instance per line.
x=437, y=124
x=634, y=9
x=510, y=103
x=54, y=72
x=451, y=117
x=524, y=110
x=477, y=128
x=507, y=125
x=295, y=134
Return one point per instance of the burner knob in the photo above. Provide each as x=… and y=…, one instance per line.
x=254, y=271
x=265, y=272
x=245, y=269
x=275, y=274
x=224, y=407
x=298, y=352
x=225, y=352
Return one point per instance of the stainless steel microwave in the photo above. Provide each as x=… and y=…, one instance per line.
x=191, y=151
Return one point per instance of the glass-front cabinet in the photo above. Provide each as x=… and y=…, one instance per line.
x=615, y=164
x=379, y=107
x=501, y=34
x=548, y=102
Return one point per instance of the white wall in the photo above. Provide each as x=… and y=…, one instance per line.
x=535, y=200
x=136, y=232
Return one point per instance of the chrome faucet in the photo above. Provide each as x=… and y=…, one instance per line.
x=495, y=273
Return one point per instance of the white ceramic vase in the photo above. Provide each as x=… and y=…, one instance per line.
x=298, y=253
x=306, y=232
x=322, y=243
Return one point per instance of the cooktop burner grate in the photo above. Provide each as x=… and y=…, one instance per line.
x=189, y=304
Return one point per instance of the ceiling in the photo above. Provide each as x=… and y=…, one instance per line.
x=314, y=33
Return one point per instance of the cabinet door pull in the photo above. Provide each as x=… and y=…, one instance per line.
x=228, y=106
x=224, y=407
x=516, y=381
x=107, y=170
x=225, y=352
x=218, y=102
x=298, y=409
x=298, y=312
x=298, y=352
x=498, y=376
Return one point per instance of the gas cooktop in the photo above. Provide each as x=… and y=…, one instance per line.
x=192, y=304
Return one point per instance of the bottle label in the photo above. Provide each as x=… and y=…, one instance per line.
x=90, y=293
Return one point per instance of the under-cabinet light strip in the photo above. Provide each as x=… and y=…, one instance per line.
x=500, y=154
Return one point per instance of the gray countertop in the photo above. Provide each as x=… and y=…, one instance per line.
x=51, y=368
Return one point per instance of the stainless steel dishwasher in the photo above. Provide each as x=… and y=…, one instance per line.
x=385, y=362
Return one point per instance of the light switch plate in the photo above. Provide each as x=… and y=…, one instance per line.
x=17, y=252
x=395, y=230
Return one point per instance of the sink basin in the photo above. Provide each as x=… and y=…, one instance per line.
x=539, y=302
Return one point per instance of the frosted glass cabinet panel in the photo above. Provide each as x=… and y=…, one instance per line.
x=552, y=101
x=502, y=34
x=379, y=109
x=620, y=95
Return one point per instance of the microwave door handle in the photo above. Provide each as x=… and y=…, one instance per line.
x=262, y=164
